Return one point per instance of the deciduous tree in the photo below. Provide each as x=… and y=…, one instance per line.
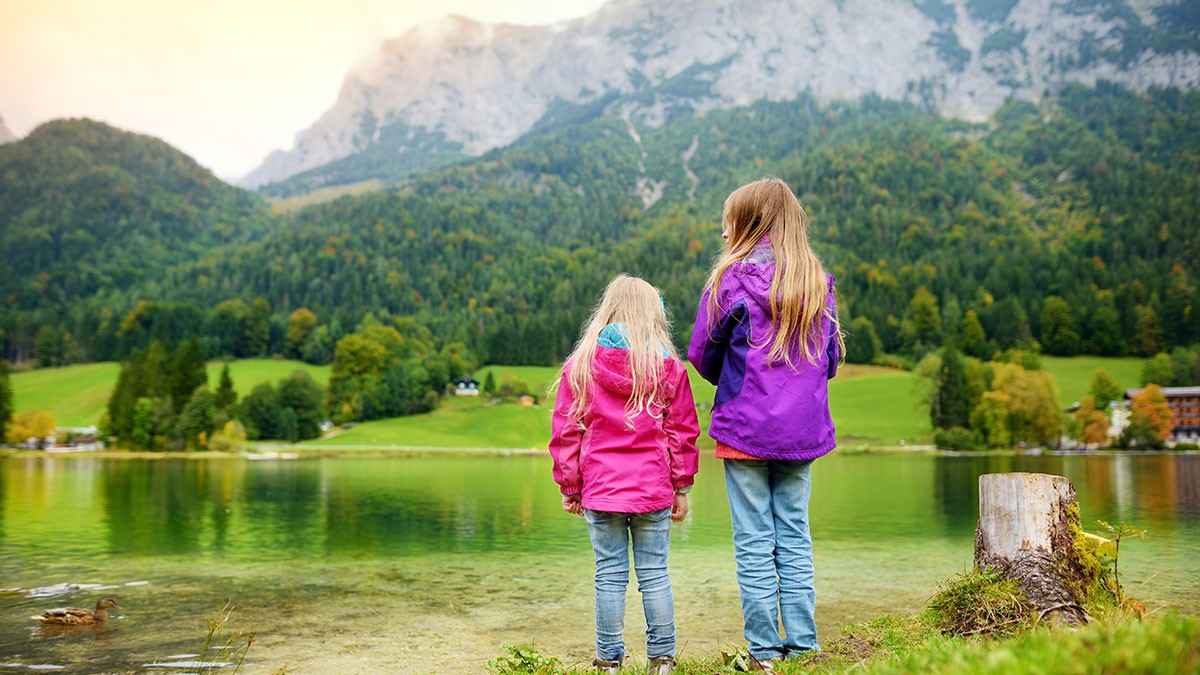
x=31, y=424
x=300, y=326
x=1060, y=335
x=1104, y=389
x=1150, y=421
x=1092, y=424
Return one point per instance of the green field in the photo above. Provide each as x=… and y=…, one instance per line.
x=1074, y=373
x=77, y=395
x=539, y=378
x=459, y=422
x=878, y=406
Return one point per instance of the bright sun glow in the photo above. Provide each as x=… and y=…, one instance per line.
x=226, y=81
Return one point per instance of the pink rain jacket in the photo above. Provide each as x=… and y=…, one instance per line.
x=617, y=468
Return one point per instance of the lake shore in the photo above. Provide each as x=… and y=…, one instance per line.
x=282, y=451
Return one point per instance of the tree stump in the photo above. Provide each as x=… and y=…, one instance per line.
x=1027, y=529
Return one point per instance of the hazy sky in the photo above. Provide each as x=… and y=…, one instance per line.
x=226, y=81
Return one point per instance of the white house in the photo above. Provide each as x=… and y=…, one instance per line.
x=466, y=386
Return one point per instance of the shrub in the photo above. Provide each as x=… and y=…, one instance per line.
x=955, y=438
x=981, y=602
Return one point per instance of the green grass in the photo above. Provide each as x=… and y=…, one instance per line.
x=77, y=395
x=907, y=644
x=459, y=422
x=250, y=373
x=1074, y=373
x=1169, y=645
x=878, y=406
x=539, y=378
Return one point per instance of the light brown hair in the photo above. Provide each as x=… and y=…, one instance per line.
x=799, y=286
x=638, y=305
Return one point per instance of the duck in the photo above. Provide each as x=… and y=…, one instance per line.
x=77, y=616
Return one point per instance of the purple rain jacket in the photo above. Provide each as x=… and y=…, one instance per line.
x=769, y=411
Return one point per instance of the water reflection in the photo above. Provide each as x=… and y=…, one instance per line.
x=363, y=508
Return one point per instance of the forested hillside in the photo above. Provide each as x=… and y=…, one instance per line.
x=1072, y=224
x=88, y=213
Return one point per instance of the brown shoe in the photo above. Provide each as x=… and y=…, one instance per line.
x=608, y=666
x=765, y=665
x=661, y=665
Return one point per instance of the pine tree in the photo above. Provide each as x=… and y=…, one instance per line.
x=948, y=407
x=226, y=396
x=974, y=340
x=188, y=372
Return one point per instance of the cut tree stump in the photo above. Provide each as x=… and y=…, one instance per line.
x=1027, y=527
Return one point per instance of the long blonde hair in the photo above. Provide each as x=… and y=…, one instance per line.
x=638, y=305
x=798, y=287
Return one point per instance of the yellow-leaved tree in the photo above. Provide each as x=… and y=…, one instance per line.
x=1092, y=424
x=31, y=424
x=1150, y=420
x=1022, y=407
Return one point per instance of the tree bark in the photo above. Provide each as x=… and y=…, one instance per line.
x=1027, y=527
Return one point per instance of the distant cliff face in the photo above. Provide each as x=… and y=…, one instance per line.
x=6, y=134
x=458, y=87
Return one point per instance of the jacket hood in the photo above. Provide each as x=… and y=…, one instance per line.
x=610, y=368
x=754, y=275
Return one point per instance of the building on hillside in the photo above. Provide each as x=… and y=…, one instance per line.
x=1185, y=411
x=1118, y=419
x=466, y=386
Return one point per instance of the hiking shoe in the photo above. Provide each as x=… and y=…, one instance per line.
x=765, y=665
x=661, y=665
x=607, y=666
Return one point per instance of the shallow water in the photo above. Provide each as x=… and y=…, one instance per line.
x=433, y=564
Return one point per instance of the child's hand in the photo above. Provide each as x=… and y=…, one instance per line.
x=680, y=510
x=573, y=504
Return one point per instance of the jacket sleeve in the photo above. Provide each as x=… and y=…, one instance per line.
x=566, y=440
x=682, y=428
x=832, y=352
x=706, y=351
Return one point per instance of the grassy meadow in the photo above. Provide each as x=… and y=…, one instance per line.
x=77, y=395
x=1074, y=373
x=872, y=406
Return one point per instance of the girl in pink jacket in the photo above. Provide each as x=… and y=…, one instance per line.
x=623, y=439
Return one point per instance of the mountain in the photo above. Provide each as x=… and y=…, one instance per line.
x=6, y=134
x=456, y=88
x=87, y=210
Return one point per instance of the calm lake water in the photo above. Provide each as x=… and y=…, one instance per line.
x=433, y=564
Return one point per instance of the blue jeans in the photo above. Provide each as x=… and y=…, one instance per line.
x=651, y=534
x=768, y=502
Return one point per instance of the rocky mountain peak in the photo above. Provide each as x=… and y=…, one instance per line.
x=459, y=87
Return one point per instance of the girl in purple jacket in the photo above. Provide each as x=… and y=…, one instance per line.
x=623, y=439
x=767, y=335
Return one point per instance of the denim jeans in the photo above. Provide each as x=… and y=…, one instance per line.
x=651, y=534
x=768, y=503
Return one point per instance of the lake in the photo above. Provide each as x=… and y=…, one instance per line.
x=434, y=563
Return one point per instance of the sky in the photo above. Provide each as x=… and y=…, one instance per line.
x=226, y=81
